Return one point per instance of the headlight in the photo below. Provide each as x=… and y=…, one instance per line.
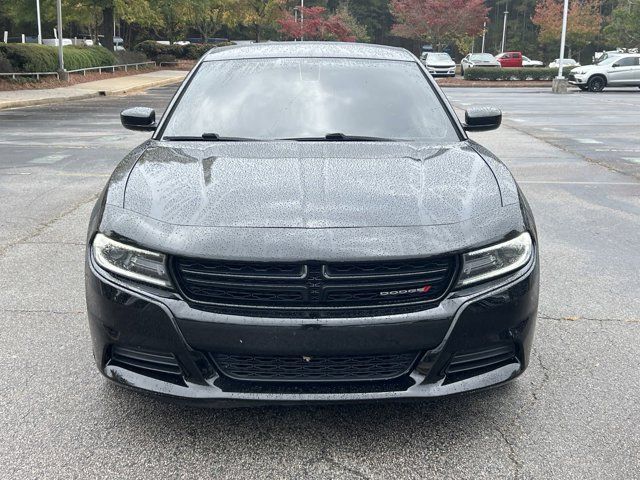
x=131, y=262
x=496, y=260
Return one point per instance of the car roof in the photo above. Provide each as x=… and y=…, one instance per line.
x=309, y=49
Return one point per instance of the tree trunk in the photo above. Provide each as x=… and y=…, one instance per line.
x=107, y=27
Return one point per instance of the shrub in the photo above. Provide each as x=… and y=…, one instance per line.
x=5, y=65
x=165, y=58
x=31, y=57
x=192, y=51
x=127, y=56
x=510, y=74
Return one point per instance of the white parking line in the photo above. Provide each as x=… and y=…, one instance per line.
x=561, y=182
x=587, y=140
x=49, y=159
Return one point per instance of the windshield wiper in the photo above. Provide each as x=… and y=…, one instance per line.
x=341, y=137
x=208, y=137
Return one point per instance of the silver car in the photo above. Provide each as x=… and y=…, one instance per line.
x=615, y=71
x=478, y=60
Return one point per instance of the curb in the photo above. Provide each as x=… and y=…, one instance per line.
x=4, y=105
x=137, y=88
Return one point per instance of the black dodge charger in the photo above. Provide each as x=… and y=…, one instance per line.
x=310, y=222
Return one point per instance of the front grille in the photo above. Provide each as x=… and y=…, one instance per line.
x=314, y=369
x=313, y=288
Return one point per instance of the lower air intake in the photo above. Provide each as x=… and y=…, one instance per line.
x=145, y=362
x=475, y=362
x=315, y=368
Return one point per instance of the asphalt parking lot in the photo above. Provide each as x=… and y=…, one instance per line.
x=573, y=414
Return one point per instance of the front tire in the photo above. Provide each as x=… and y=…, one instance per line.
x=596, y=84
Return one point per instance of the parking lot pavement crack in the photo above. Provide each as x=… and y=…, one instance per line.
x=545, y=374
x=43, y=226
x=609, y=167
x=578, y=318
x=513, y=453
x=54, y=312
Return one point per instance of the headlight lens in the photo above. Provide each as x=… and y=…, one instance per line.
x=496, y=260
x=131, y=262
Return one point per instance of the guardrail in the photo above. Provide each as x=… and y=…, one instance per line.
x=28, y=74
x=84, y=71
x=112, y=67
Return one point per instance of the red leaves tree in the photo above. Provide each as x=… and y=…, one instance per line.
x=438, y=21
x=318, y=25
x=583, y=22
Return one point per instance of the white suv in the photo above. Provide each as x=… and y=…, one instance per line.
x=615, y=71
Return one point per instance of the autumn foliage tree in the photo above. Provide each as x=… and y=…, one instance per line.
x=318, y=25
x=438, y=21
x=583, y=22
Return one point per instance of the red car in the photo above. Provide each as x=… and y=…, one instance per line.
x=510, y=59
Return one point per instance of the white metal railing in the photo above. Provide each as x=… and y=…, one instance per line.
x=84, y=71
x=111, y=67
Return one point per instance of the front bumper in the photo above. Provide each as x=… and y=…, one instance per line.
x=442, y=71
x=500, y=315
x=576, y=79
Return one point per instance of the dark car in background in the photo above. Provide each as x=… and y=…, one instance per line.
x=310, y=222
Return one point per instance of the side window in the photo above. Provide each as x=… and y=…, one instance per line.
x=627, y=61
x=516, y=55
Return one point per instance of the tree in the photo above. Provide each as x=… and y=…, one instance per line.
x=374, y=15
x=260, y=14
x=321, y=25
x=583, y=22
x=358, y=30
x=438, y=21
x=624, y=29
x=208, y=16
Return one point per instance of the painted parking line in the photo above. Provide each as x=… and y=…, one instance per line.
x=588, y=140
x=49, y=159
x=632, y=159
x=561, y=182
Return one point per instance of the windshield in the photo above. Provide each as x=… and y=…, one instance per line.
x=307, y=98
x=440, y=57
x=482, y=57
x=607, y=60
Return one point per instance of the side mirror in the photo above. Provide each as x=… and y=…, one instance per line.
x=139, y=118
x=615, y=65
x=478, y=119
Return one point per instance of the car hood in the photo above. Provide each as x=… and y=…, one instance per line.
x=310, y=185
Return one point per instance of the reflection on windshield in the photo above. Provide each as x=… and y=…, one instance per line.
x=280, y=98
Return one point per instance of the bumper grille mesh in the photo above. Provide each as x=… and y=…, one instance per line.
x=314, y=369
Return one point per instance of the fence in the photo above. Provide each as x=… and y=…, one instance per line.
x=84, y=71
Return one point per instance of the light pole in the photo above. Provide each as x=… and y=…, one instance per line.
x=563, y=36
x=504, y=30
x=62, y=73
x=302, y=20
x=39, y=22
x=484, y=32
x=560, y=83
